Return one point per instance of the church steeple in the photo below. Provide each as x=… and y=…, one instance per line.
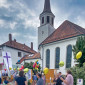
x=47, y=7
x=47, y=17
x=46, y=27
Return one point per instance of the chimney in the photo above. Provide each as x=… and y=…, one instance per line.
x=10, y=37
x=31, y=45
x=14, y=40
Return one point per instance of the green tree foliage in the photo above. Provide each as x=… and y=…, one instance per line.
x=80, y=46
x=78, y=73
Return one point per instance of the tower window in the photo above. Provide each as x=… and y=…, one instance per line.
x=42, y=20
x=48, y=19
x=52, y=21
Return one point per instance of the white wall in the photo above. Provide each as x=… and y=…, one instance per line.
x=47, y=30
x=14, y=54
x=63, y=49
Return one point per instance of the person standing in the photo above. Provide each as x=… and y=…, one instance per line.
x=40, y=80
x=69, y=79
x=44, y=79
x=0, y=77
x=34, y=78
x=21, y=80
x=58, y=81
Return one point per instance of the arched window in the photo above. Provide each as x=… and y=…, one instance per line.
x=48, y=58
x=57, y=57
x=48, y=19
x=42, y=20
x=69, y=56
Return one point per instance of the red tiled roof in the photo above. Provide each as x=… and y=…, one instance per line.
x=66, y=30
x=28, y=57
x=19, y=46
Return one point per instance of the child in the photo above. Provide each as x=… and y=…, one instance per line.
x=6, y=82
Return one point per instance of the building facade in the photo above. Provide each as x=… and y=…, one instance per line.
x=57, y=46
x=16, y=49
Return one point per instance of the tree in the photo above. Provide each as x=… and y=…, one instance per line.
x=80, y=46
x=78, y=73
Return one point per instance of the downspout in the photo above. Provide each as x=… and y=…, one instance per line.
x=42, y=56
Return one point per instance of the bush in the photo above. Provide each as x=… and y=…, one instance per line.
x=78, y=73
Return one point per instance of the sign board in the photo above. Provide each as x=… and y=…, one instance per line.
x=29, y=74
x=50, y=76
x=7, y=59
x=79, y=81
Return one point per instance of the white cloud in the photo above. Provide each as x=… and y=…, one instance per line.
x=80, y=20
x=1, y=23
x=3, y=3
x=59, y=17
x=12, y=25
x=15, y=34
x=32, y=22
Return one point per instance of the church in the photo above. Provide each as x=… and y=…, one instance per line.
x=55, y=45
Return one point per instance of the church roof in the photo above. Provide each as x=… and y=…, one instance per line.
x=47, y=6
x=19, y=46
x=28, y=57
x=66, y=30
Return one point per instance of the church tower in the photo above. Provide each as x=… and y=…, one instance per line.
x=46, y=22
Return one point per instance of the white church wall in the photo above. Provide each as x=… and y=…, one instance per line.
x=14, y=54
x=42, y=33
x=63, y=50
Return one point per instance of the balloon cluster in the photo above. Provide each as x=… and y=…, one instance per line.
x=79, y=55
x=22, y=68
x=36, y=65
x=19, y=69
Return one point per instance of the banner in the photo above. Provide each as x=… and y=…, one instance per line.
x=29, y=74
x=7, y=59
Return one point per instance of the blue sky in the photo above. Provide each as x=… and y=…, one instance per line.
x=21, y=17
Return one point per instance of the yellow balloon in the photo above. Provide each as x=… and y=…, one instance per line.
x=78, y=55
x=61, y=64
x=10, y=68
x=37, y=60
x=18, y=69
x=46, y=70
x=26, y=70
x=36, y=69
x=14, y=69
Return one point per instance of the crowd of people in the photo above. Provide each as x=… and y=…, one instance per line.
x=39, y=79
x=58, y=80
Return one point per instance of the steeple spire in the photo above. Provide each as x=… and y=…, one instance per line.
x=47, y=7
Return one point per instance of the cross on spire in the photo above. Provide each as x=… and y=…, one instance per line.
x=47, y=7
